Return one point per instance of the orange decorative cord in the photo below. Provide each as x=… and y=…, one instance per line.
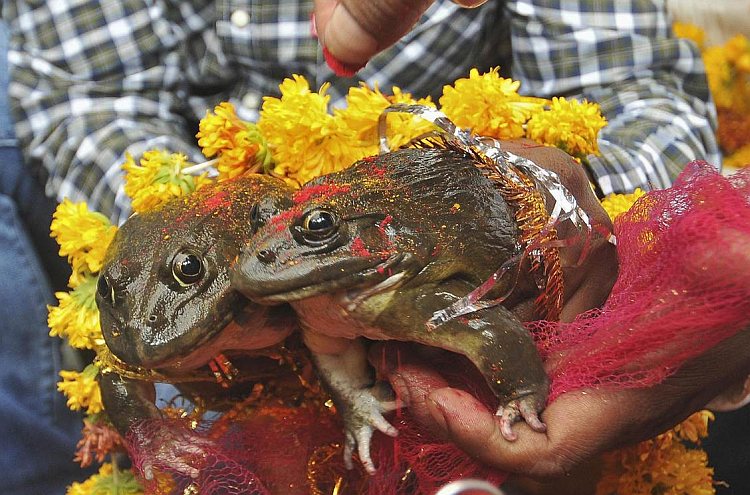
x=537, y=236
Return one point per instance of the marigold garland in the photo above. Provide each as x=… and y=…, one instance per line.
x=306, y=140
x=239, y=144
x=157, y=178
x=76, y=317
x=664, y=465
x=570, y=125
x=728, y=73
x=297, y=139
x=82, y=389
x=489, y=105
x=83, y=235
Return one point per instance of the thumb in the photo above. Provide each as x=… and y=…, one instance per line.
x=353, y=31
x=476, y=431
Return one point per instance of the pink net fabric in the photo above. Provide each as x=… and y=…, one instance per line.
x=683, y=286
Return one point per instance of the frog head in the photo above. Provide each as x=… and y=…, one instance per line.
x=409, y=216
x=163, y=292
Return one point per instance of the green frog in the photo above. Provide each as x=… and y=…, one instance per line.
x=372, y=253
x=167, y=309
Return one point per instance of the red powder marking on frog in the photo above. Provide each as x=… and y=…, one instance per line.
x=359, y=248
x=377, y=171
x=321, y=190
x=386, y=222
x=284, y=218
x=381, y=270
x=221, y=199
x=218, y=200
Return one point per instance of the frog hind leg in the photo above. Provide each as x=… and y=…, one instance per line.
x=361, y=403
x=496, y=342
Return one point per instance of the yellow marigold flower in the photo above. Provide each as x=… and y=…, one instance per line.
x=106, y=482
x=740, y=158
x=238, y=143
x=83, y=235
x=694, y=428
x=82, y=389
x=691, y=32
x=662, y=465
x=363, y=109
x=306, y=141
x=720, y=74
x=76, y=317
x=617, y=204
x=737, y=48
x=489, y=105
x=570, y=125
x=158, y=178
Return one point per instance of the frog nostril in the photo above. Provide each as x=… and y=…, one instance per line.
x=152, y=318
x=266, y=256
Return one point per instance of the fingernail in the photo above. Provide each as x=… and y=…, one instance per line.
x=341, y=69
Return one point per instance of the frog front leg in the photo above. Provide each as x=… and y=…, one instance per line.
x=343, y=367
x=493, y=339
x=129, y=402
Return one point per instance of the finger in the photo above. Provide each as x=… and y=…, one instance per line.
x=411, y=378
x=353, y=31
x=577, y=428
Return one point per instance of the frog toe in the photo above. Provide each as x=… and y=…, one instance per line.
x=525, y=408
x=359, y=440
x=366, y=416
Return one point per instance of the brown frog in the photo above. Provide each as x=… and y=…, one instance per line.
x=373, y=252
x=166, y=305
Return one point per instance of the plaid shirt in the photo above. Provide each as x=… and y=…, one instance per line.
x=92, y=80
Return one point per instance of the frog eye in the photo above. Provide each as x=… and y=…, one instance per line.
x=187, y=268
x=320, y=222
x=105, y=289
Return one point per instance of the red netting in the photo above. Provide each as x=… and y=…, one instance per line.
x=297, y=450
x=682, y=288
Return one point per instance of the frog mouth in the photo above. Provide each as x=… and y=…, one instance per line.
x=357, y=285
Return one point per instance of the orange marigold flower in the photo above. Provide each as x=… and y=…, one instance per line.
x=98, y=438
x=239, y=144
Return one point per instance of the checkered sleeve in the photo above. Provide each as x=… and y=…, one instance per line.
x=621, y=54
x=90, y=84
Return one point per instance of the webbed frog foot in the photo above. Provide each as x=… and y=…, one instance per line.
x=363, y=414
x=526, y=408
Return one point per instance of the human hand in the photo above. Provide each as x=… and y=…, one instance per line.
x=584, y=423
x=580, y=425
x=353, y=31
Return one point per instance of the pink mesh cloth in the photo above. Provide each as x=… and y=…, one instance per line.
x=683, y=286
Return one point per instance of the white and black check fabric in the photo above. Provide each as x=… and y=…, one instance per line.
x=94, y=79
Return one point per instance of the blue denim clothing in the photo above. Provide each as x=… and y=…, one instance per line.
x=38, y=433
